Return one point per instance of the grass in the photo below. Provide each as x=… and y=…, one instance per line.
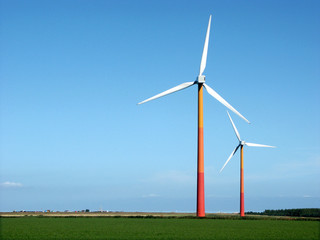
x=34, y=228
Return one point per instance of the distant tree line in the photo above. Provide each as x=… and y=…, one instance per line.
x=297, y=212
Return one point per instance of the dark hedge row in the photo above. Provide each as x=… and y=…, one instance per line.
x=298, y=212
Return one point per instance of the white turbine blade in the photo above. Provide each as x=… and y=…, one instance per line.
x=171, y=90
x=257, y=145
x=234, y=127
x=234, y=151
x=224, y=102
x=205, y=50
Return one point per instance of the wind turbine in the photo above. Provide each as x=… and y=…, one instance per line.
x=241, y=144
x=200, y=81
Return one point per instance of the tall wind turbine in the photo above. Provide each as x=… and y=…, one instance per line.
x=200, y=81
x=241, y=144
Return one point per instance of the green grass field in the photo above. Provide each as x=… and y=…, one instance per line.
x=33, y=228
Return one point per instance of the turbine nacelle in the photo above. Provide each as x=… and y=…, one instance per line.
x=200, y=79
x=242, y=143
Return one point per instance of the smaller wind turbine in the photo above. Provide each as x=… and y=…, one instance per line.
x=241, y=144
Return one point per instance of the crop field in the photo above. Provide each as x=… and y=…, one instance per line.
x=34, y=228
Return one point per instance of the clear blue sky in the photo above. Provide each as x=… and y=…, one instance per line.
x=72, y=72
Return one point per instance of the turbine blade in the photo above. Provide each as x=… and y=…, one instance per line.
x=257, y=145
x=234, y=151
x=205, y=50
x=224, y=102
x=234, y=127
x=171, y=90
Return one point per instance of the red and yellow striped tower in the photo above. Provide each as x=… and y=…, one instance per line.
x=200, y=176
x=241, y=184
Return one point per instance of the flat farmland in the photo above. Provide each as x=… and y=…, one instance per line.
x=34, y=228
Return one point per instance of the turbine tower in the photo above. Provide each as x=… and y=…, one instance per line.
x=241, y=144
x=200, y=81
